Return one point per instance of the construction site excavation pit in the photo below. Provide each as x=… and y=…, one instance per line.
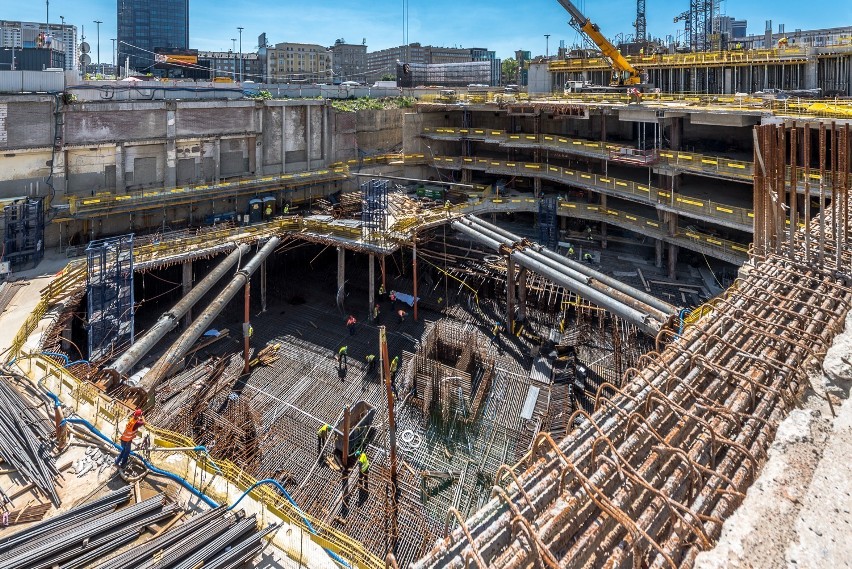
x=475, y=381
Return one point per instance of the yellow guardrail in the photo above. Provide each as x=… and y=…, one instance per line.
x=643, y=192
x=733, y=57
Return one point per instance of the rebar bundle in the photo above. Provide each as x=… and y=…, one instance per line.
x=24, y=441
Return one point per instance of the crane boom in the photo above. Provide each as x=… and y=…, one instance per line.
x=623, y=72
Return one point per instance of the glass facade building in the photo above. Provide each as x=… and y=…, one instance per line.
x=146, y=25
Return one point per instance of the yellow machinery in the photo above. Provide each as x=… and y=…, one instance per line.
x=623, y=74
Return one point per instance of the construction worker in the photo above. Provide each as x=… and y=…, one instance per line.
x=371, y=363
x=341, y=356
x=286, y=209
x=589, y=233
x=268, y=211
x=394, y=365
x=130, y=432
x=392, y=298
x=322, y=436
x=587, y=257
x=363, y=471
x=382, y=291
x=350, y=323
x=402, y=314
x=447, y=207
x=570, y=251
x=376, y=313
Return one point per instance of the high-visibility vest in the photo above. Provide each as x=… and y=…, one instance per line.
x=370, y=358
x=394, y=364
x=323, y=431
x=131, y=429
x=364, y=463
x=342, y=350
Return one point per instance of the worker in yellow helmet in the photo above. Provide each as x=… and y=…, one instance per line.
x=363, y=471
x=322, y=436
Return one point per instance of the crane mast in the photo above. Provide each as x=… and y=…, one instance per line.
x=622, y=72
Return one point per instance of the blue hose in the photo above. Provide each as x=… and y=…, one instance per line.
x=281, y=489
x=204, y=498
x=56, y=355
x=78, y=362
x=684, y=312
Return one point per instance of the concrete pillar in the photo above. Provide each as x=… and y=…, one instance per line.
x=522, y=294
x=372, y=284
x=119, y=168
x=187, y=286
x=341, y=274
x=170, y=175
x=673, y=261
x=257, y=139
x=283, y=139
x=510, y=294
x=263, y=286
x=676, y=134
x=658, y=253
x=217, y=160
x=325, y=137
x=308, y=144
x=537, y=186
x=603, y=127
x=604, y=209
x=467, y=176
x=811, y=73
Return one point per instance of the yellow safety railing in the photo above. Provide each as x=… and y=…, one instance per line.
x=641, y=192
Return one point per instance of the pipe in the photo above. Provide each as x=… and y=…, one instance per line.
x=181, y=346
x=169, y=320
x=577, y=287
x=643, y=297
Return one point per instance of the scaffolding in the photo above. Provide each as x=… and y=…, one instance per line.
x=374, y=210
x=547, y=223
x=24, y=234
x=109, y=289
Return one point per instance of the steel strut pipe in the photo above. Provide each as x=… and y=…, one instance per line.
x=588, y=276
x=181, y=346
x=170, y=319
x=616, y=307
x=639, y=295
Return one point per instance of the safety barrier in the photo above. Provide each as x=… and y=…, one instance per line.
x=691, y=239
x=104, y=202
x=644, y=193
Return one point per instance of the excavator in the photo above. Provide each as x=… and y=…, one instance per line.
x=624, y=75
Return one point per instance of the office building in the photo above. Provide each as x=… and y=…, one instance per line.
x=227, y=64
x=60, y=37
x=384, y=61
x=289, y=62
x=145, y=26
x=349, y=61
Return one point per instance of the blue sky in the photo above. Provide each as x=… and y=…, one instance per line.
x=500, y=25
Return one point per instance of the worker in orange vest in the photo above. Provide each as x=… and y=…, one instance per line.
x=130, y=432
x=350, y=323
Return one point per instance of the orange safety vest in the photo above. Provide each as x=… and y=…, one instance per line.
x=131, y=429
x=350, y=321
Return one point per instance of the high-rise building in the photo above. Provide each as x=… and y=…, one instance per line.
x=61, y=37
x=349, y=61
x=144, y=26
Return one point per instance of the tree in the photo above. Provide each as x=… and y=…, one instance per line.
x=509, y=67
x=388, y=77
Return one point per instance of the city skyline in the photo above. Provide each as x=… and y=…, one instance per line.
x=497, y=26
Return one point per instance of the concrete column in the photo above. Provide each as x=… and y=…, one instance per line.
x=811, y=73
x=510, y=294
x=604, y=209
x=467, y=176
x=522, y=294
x=263, y=286
x=537, y=186
x=603, y=127
x=283, y=139
x=372, y=284
x=324, y=142
x=673, y=249
x=217, y=160
x=119, y=168
x=170, y=174
x=676, y=134
x=187, y=286
x=259, y=166
x=658, y=253
x=308, y=144
x=341, y=274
